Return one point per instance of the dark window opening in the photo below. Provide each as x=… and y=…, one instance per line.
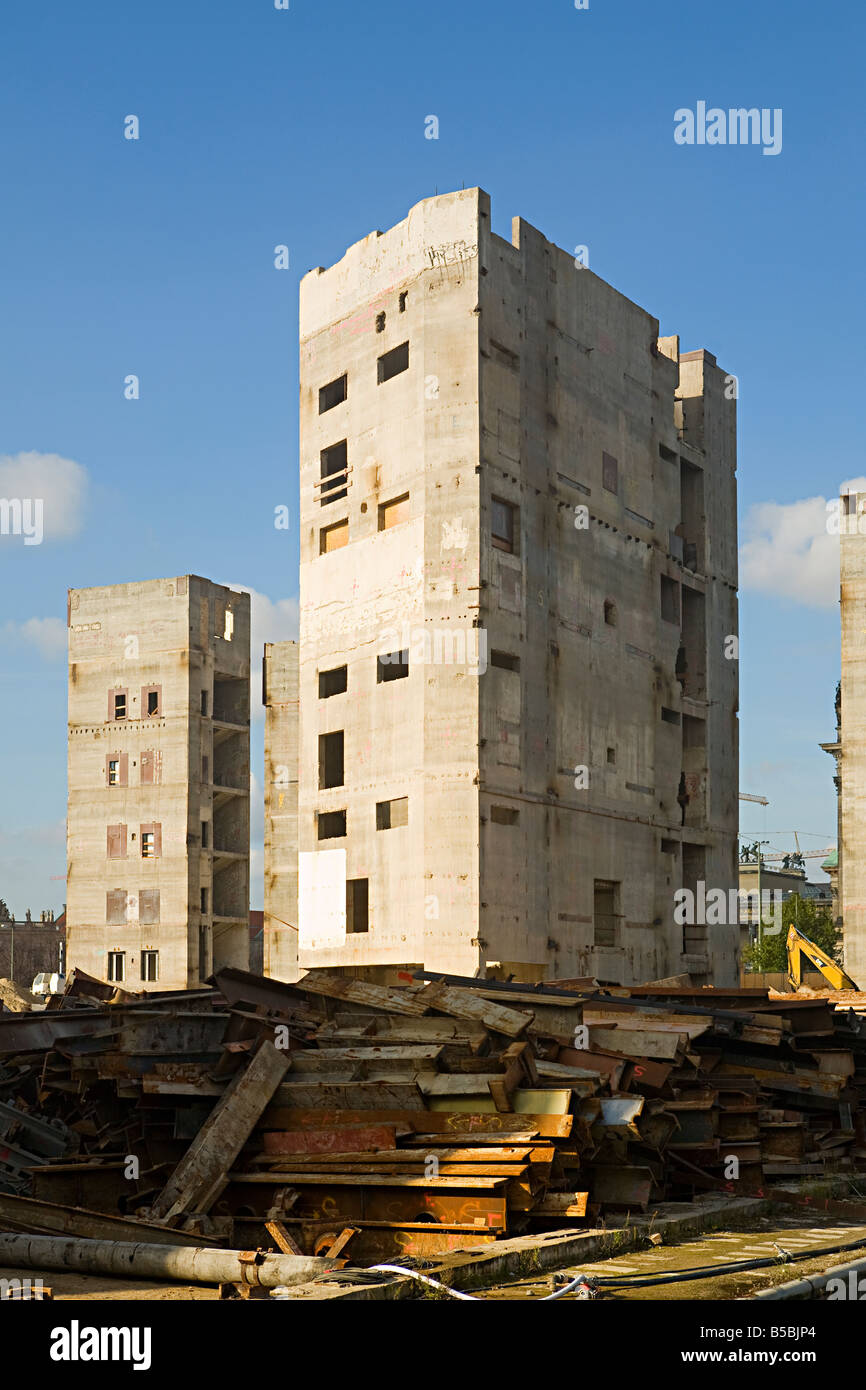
x=505, y=660
x=333, y=682
x=333, y=394
x=151, y=701
x=116, y=967
x=610, y=612
x=605, y=913
x=204, y=702
x=331, y=759
x=119, y=706
x=334, y=465
x=670, y=716
x=670, y=846
x=392, y=666
x=380, y=323
x=393, y=363
x=504, y=815
x=150, y=966
x=203, y=899
x=204, y=834
x=357, y=904
x=331, y=825
x=503, y=516
x=670, y=597
x=609, y=473
x=404, y=295
x=611, y=755
x=390, y=815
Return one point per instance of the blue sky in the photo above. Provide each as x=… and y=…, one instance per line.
x=305, y=126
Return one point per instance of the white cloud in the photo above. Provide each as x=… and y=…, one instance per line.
x=48, y=635
x=60, y=484
x=789, y=552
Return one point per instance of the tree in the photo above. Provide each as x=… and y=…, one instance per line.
x=813, y=920
x=5, y=914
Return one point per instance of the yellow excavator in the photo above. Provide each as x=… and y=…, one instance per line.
x=800, y=947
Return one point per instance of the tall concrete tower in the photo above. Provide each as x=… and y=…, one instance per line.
x=517, y=658
x=159, y=763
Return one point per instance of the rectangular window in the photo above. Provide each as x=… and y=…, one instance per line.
x=333, y=394
x=670, y=600
x=117, y=704
x=393, y=363
x=204, y=703
x=150, y=774
x=331, y=759
x=116, y=842
x=505, y=660
x=149, y=966
x=333, y=682
x=334, y=537
x=334, y=472
x=116, y=967
x=205, y=830
x=203, y=899
x=331, y=825
x=669, y=846
x=117, y=769
x=151, y=701
x=611, y=756
x=609, y=473
x=357, y=904
x=115, y=907
x=504, y=815
x=503, y=528
x=392, y=666
x=148, y=906
x=205, y=768
x=392, y=513
x=390, y=815
x=670, y=716
x=151, y=841
x=605, y=913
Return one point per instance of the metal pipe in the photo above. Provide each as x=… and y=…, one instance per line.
x=187, y=1264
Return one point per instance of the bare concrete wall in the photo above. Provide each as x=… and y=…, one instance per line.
x=280, y=698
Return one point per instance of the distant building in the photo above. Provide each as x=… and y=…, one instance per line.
x=27, y=948
x=159, y=781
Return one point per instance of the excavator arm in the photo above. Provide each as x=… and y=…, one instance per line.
x=800, y=947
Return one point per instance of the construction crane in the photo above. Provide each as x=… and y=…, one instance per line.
x=799, y=946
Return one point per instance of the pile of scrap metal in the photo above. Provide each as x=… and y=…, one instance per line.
x=337, y=1117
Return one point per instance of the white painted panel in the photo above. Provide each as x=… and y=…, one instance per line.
x=321, y=898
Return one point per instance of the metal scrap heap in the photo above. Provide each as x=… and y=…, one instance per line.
x=338, y=1117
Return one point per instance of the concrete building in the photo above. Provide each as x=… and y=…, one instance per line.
x=280, y=698
x=849, y=750
x=518, y=676
x=158, y=812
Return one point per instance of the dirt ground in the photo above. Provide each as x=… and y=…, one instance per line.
x=99, y=1288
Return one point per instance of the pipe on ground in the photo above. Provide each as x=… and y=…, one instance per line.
x=184, y=1264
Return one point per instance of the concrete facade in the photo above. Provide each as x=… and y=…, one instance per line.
x=524, y=501
x=158, y=811
x=850, y=749
x=280, y=698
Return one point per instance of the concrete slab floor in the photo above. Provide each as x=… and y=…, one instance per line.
x=795, y=1232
